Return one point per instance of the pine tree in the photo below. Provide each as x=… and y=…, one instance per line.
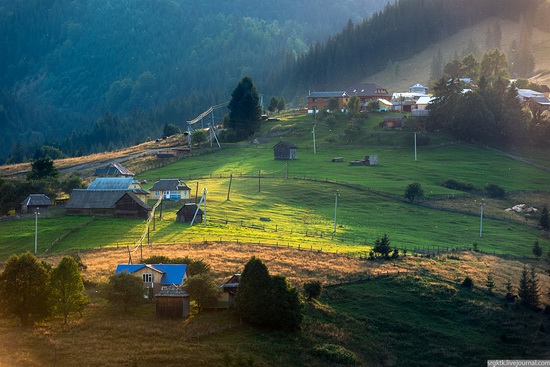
x=253, y=299
x=244, y=109
x=537, y=249
x=490, y=283
x=382, y=246
x=534, y=288
x=544, y=221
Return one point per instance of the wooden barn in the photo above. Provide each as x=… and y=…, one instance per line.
x=116, y=203
x=35, y=202
x=284, y=150
x=186, y=213
x=172, y=302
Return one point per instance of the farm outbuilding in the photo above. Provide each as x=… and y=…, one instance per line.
x=229, y=290
x=187, y=212
x=113, y=169
x=284, y=150
x=35, y=202
x=172, y=302
x=394, y=121
x=116, y=203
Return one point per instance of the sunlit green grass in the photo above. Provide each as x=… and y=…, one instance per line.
x=300, y=209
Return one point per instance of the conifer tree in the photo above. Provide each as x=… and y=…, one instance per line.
x=544, y=221
x=537, y=249
x=490, y=283
x=244, y=109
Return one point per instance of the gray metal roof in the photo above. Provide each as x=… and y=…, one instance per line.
x=335, y=94
x=172, y=291
x=170, y=184
x=99, y=199
x=37, y=200
x=113, y=169
x=287, y=144
x=367, y=90
x=191, y=207
x=112, y=183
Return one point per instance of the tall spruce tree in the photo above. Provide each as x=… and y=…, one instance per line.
x=264, y=300
x=544, y=221
x=254, y=297
x=244, y=109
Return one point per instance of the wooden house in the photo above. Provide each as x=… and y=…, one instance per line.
x=226, y=298
x=367, y=93
x=156, y=277
x=113, y=169
x=116, y=203
x=284, y=150
x=187, y=212
x=318, y=101
x=35, y=202
x=170, y=189
x=394, y=121
x=172, y=302
x=120, y=183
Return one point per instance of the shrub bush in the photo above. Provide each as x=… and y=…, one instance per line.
x=457, y=185
x=495, y=191
x=335, y=353
x=313, y=289
x=468, y=283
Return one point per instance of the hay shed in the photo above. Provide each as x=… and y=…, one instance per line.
x=172, y=302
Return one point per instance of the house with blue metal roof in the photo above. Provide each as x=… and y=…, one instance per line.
x=156, y=277
x=120, y=183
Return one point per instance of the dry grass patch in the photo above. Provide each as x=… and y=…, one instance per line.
x=298, y=266
x=453, y=268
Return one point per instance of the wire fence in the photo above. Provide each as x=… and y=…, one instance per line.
x=429, y=201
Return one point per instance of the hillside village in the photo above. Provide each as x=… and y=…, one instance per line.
x=362, y=226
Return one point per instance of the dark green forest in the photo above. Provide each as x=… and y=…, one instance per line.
x=67, y=63
x=90, y=76
x=396, y=33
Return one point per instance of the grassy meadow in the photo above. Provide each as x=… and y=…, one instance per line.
x=293, y=203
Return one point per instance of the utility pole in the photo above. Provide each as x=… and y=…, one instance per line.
x=415, y=147
x=259, y=176
x=335, y=208
x=36, y=231
x=229, y=190
x=481, y=205
x=314, y=146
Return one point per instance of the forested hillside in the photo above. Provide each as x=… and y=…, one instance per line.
x=400, y=31
x=67, y=63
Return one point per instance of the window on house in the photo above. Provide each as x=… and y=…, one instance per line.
x=147, y=278
x=157, y=193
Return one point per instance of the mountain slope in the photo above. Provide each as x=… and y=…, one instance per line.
x=417, y=68
x=170, y=58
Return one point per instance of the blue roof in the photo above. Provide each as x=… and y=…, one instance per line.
x=173, y=273
x=111, y=183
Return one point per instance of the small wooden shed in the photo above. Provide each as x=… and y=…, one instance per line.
x=172, y=302
x=187, y=211
x=229, y=290
x=394, y=121
x=35, y=202
x=285, y=150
